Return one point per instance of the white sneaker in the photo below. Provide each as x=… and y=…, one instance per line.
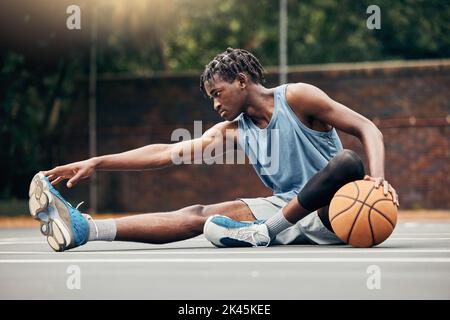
x=63, y=225
x=223, y=232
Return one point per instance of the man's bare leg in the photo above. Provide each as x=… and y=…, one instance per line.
x=177, y=225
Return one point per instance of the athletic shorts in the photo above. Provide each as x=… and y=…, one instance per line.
x=309, y=230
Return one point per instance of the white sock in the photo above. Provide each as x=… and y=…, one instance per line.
x=102, y=230
x=277, y=223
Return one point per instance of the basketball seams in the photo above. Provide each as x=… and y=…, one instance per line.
x=355, y=200
x=370, y=226
x=381, y=213
x=370, y=223
x=370, y=207
x=357, y=215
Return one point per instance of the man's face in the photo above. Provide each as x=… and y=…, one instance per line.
x=228, y=98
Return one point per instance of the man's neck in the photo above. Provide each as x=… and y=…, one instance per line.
x=260, y=105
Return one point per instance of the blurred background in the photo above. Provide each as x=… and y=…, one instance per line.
x=130, y=76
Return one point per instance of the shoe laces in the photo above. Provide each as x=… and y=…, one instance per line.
x=252, y=234
x=78, y=205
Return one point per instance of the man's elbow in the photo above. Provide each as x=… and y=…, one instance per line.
x=377, y=132
x=373, y=131
x=380, y=135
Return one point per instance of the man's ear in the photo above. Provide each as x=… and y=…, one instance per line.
x=243, y=80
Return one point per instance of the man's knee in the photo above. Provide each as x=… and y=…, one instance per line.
x=194, y=217
x=197, y=210
x=347, y=165
x=235, y=209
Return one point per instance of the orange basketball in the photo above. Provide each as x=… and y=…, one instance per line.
x=362, y=215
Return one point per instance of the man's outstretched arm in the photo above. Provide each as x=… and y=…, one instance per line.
x=149, y=157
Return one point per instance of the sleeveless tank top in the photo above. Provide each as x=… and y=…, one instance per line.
x=286, y=154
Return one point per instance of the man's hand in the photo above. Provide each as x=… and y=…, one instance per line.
x=387, y=188
x=72, y=171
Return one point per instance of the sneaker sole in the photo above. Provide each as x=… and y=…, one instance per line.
x=42, y=208
x=205, y=226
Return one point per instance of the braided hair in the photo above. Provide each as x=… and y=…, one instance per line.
x=228, y=64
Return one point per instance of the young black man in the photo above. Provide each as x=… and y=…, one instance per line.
x=311, y=167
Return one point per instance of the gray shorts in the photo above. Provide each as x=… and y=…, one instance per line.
x=309, y=230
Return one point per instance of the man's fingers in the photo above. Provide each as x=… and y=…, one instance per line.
x=396, y=199
x=52, y=172
x=74, y=179
x=56, y=181
x=386, y=187
x=394, y=194
x=378, y=182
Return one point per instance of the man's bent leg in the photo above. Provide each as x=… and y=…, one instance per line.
x=177, y=225
x=318, y=192
x=346, y=166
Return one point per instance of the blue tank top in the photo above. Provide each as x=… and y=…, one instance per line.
x=286, y=154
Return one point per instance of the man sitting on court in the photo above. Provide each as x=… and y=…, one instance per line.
x=313, y=166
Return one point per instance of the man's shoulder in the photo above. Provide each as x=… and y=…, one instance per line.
x=301, y=91
x=304, y=96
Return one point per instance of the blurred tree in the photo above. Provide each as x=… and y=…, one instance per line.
x=132, y=36
x=204, y=28
x=320, y=31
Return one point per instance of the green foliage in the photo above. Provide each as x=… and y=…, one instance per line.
x=207, y=27
x=33, y=102
x=188, y=33
x=319, y=31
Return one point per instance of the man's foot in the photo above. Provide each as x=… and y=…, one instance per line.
x=222, y=232
x=64, y=226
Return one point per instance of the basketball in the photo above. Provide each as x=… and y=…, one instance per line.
x=362, y=215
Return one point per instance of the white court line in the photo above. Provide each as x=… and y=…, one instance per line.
x=35, y=239
x=222, y=252
x=390, y=239
x=21, y=239
x=231, y=260
x=22, y=242
x=200, y=239
x=227, y=251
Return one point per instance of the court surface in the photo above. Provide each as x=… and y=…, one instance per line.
x=413, y=264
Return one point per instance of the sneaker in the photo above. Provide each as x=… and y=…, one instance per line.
x=223, y=232
x=63, y=225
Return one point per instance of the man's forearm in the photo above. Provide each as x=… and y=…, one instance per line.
x=149, y=157
x=372, y=140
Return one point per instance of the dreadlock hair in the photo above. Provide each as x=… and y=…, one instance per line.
x=228, y=64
